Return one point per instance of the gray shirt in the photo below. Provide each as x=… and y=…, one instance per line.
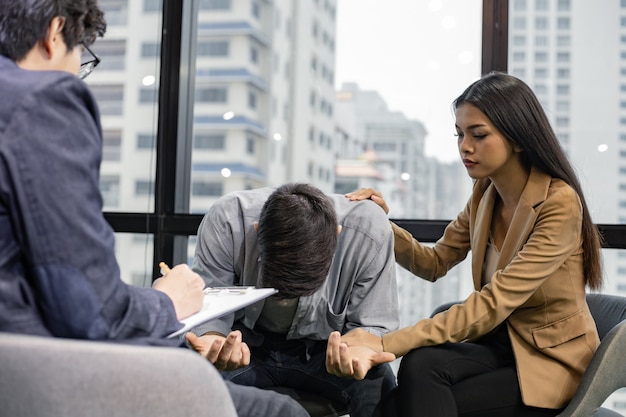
x=360, y=290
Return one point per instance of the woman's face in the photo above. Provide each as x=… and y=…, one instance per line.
x=485, y=152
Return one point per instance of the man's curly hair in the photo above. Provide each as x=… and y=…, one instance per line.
x=23, y=23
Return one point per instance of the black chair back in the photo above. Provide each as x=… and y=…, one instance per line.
x=607, y=311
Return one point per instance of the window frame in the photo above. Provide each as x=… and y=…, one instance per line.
x=169, y=223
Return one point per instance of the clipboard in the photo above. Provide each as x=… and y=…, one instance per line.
x=219, y=301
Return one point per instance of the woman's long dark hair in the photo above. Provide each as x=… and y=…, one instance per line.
x=515, y=110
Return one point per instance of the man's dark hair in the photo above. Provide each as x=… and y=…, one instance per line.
x=297, y=239
x=23, y=23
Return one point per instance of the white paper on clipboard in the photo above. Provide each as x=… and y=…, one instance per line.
x=221, y=301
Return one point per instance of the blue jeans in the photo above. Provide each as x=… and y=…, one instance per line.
x=302, y=365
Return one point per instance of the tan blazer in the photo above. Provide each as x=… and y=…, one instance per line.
x=537, y=289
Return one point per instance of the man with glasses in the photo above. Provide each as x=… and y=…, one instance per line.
x=58, y=272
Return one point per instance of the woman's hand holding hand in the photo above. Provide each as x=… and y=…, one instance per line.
x=352, y=361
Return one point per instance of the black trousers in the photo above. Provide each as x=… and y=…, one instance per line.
x=475, y=379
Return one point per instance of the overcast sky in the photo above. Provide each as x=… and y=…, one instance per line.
x=418, y=54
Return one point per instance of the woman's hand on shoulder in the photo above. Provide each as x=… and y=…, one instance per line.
x=371, y=194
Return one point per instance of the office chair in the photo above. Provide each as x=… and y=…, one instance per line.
x=606, y=372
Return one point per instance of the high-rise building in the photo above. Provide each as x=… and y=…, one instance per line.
x=397, y=142
x=264, y=96
x=387, y=154
x=570, y=53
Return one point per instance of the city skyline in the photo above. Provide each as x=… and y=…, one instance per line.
x=420, y=84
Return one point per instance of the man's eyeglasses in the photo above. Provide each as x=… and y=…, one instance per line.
x=88, y=66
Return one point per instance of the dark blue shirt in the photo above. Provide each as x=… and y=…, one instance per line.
x=58, y=272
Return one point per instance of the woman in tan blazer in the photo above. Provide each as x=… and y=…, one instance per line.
x=519, y=344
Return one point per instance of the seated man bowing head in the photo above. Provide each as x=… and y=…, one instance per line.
x=332, y=262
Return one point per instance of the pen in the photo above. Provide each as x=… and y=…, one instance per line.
x=164, y=268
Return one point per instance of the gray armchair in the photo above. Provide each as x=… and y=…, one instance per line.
x=607, y=371
x=70, y=378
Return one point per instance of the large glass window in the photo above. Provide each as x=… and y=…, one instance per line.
x=329, y=94
x=127, y=76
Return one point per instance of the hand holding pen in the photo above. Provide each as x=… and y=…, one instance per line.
x=183, y=286
x=164, y=268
